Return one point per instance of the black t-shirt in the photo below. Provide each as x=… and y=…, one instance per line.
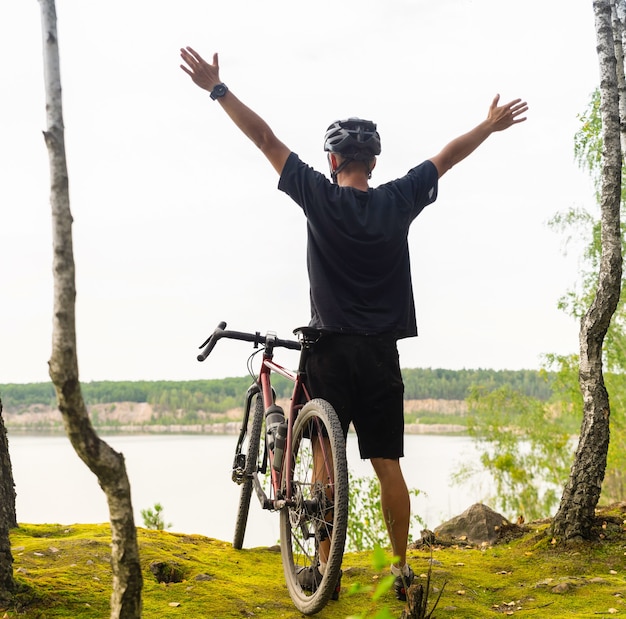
x=357, y=250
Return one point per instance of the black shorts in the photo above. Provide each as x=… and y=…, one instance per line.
x=360, y=376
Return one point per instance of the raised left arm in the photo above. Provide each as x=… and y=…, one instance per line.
x=500, y=117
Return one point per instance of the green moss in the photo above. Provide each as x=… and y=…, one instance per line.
x=64, y=572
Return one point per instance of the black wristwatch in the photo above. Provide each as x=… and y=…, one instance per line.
x=219, y=91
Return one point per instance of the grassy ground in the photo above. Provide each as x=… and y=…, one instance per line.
x=64, y=572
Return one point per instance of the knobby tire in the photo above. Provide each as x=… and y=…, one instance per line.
x=255, y=426
x=320, y=505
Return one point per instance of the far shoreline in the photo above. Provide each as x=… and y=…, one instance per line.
x=231, y=428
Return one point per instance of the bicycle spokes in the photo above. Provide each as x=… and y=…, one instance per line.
x=314, y=521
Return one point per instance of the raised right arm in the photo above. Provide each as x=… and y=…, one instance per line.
x=206, y=76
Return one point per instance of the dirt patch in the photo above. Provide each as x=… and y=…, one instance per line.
x=442, y=407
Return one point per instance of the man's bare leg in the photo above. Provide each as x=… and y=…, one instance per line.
x=396, y=505
x=323, y=473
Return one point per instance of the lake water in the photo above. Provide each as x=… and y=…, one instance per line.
x=190, y=476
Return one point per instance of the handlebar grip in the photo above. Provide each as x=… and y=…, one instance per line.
x=291, y=344
x=210, y=343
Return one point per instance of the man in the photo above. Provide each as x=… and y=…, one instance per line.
x=360, y=282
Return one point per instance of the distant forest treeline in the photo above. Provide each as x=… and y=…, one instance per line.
x=220, y=395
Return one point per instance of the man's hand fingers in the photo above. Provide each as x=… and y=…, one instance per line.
x=194, y=54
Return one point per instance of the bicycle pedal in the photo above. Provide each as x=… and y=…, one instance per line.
x=238, y=476
x=239, y=468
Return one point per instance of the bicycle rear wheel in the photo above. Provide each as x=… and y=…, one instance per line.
x=313, y=526
x=251, y=451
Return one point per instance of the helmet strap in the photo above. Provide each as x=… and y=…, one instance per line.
x=338, y=169
x=346, y=161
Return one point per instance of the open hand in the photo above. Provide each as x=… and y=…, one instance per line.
x=503, y=116
x=202, y=73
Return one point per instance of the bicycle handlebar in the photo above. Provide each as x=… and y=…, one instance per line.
x=255, y=338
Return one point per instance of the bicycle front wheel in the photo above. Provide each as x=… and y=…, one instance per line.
x=313, y=525
x=251, y=452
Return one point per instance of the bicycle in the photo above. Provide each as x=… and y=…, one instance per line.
x=301, y=459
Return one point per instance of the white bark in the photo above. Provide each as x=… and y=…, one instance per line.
x=576, y=515
x=619, y=32
x=104, y=462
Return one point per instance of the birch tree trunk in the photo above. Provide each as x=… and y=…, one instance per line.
x=7, y=515
x=619, y=36
x=576, y=514
x=107, y=464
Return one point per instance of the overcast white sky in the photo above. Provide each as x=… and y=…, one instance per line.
x=177, y=220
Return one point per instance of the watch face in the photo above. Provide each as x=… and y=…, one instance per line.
x=219, y=91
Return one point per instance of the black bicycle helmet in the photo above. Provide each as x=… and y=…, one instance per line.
x=353, y=138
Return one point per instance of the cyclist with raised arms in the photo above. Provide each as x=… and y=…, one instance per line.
x=359, y=273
